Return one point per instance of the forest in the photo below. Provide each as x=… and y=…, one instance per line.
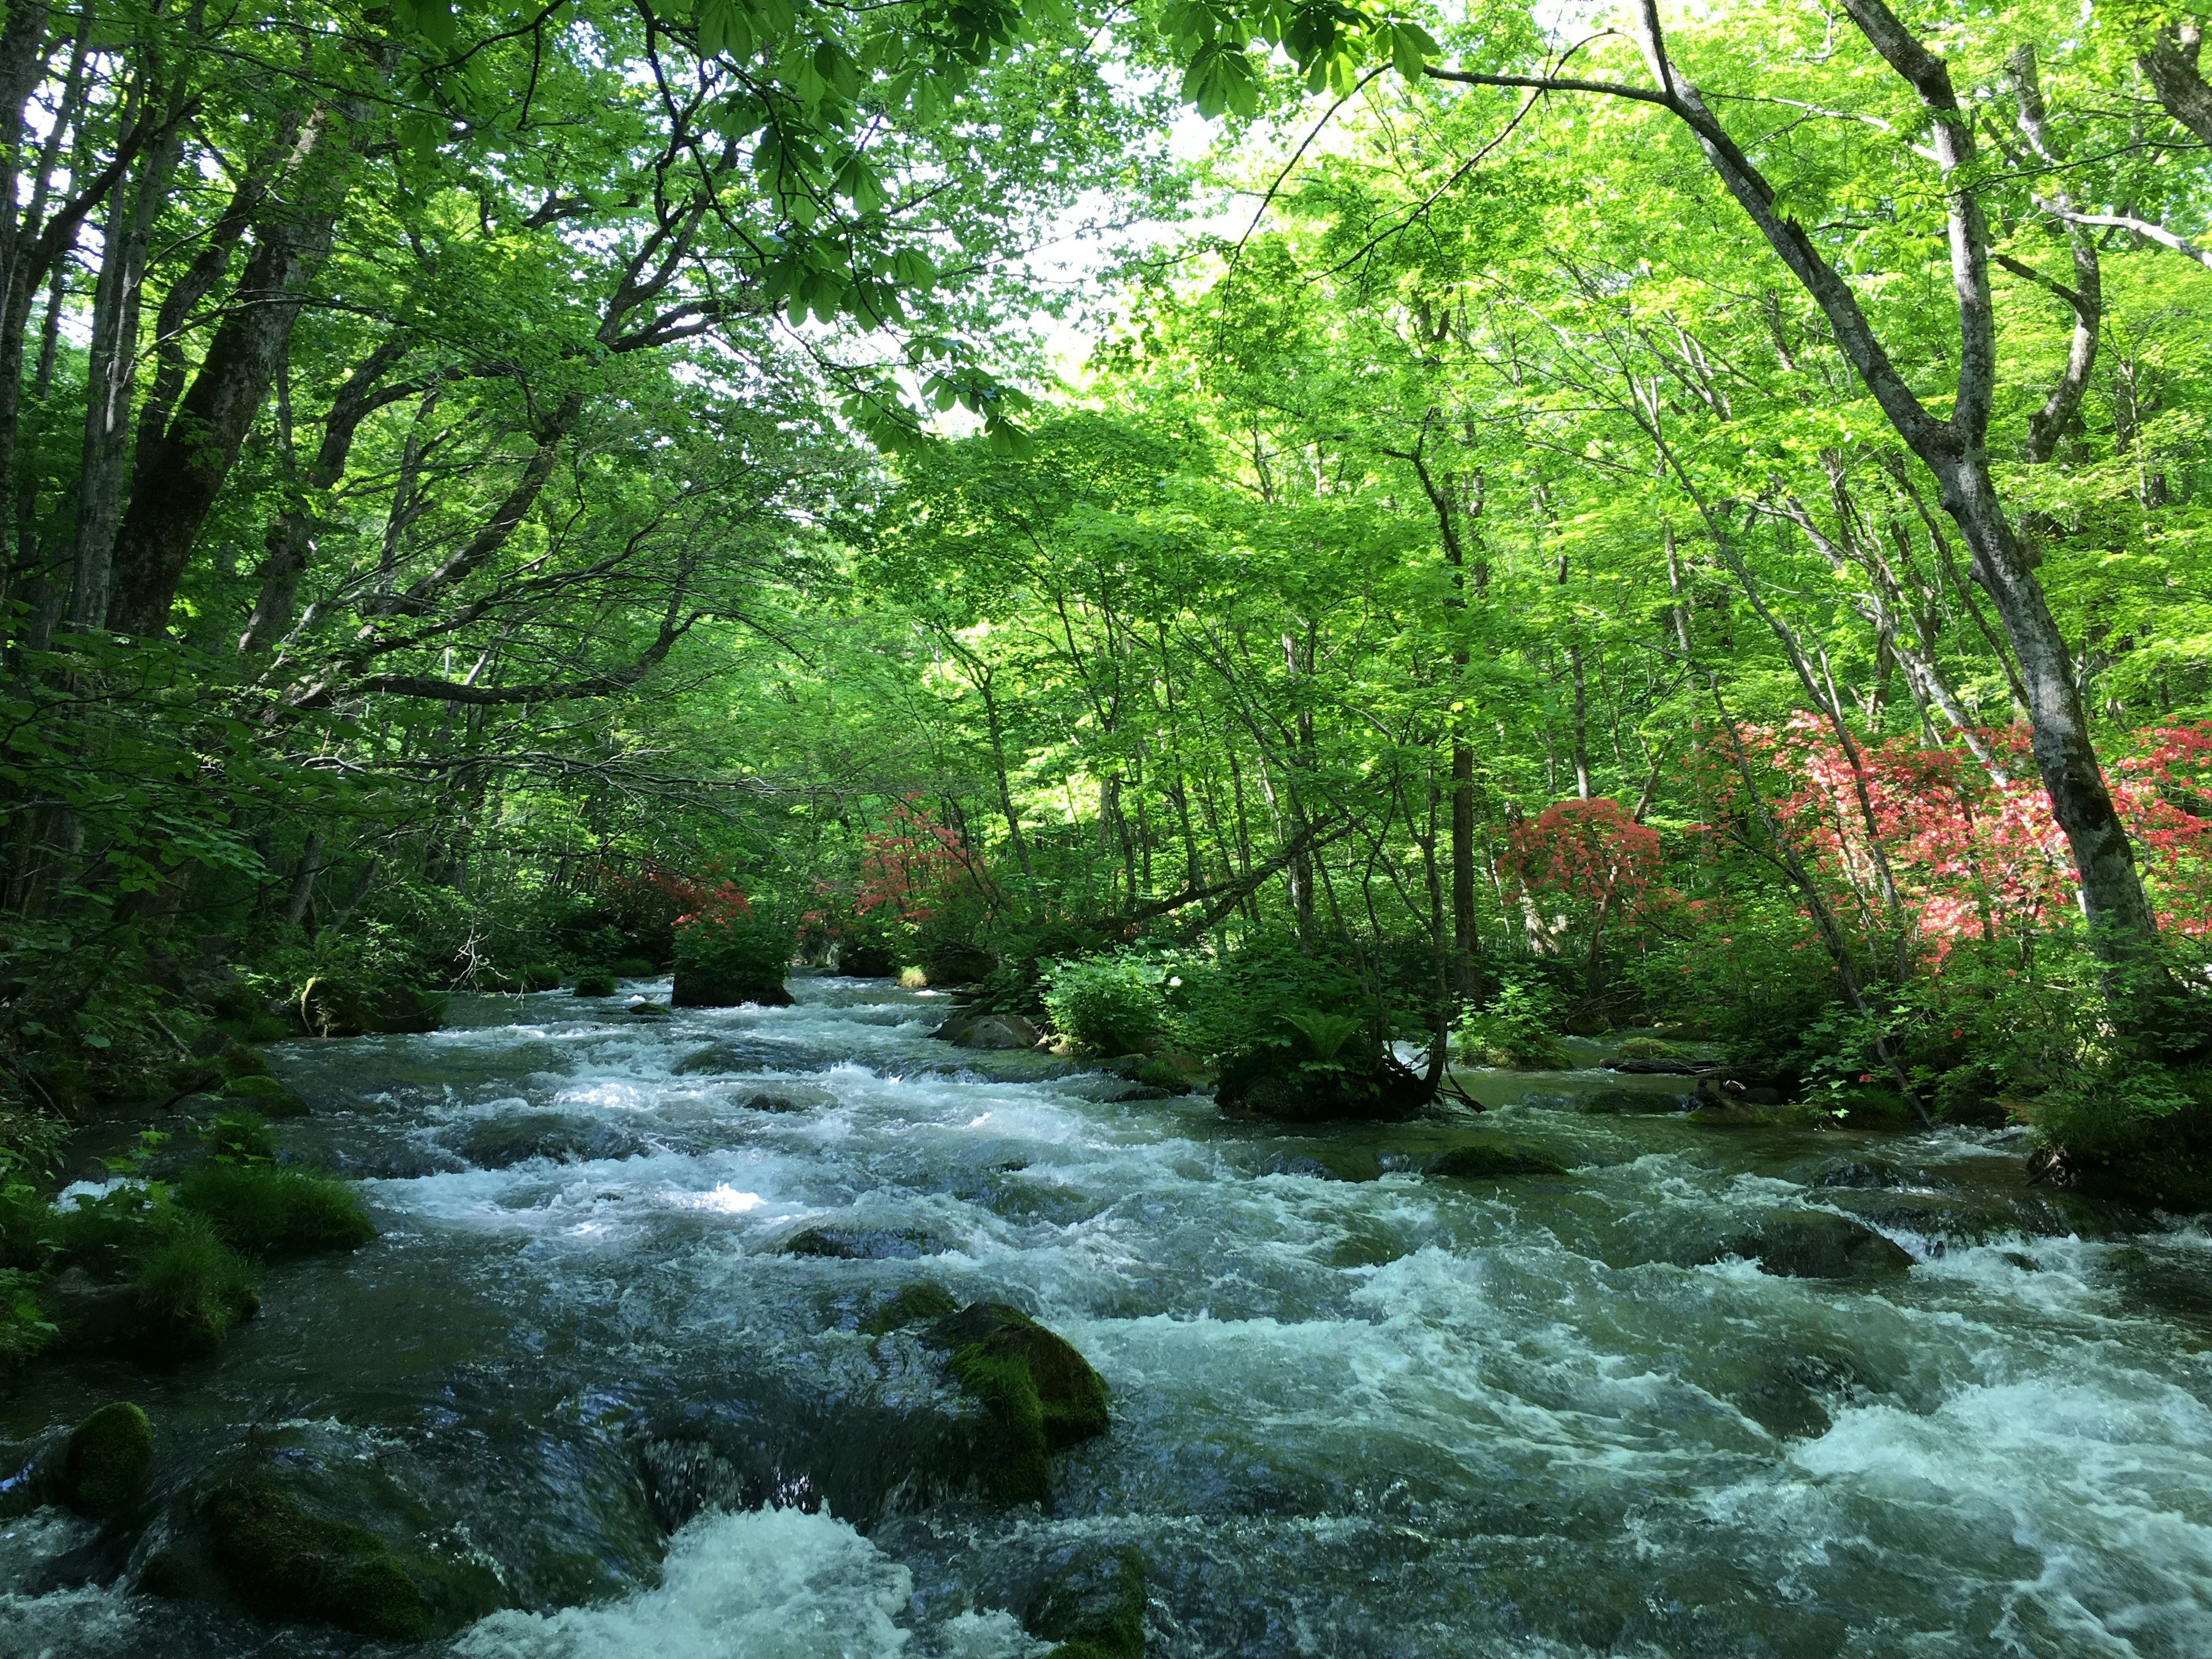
x=1571, y=646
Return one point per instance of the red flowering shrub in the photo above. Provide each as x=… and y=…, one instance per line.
x=1581, y=867
x=1971, y=857
x=912, y=866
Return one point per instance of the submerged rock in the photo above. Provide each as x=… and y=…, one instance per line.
x=500, y=1143
x=861, y=1243
x=1094, y=1608
x=287, y=1563
x=1490, y=1160
x=909, y=1305
x=1814, y=1244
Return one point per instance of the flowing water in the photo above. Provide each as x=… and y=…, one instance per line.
x=1357, y=1410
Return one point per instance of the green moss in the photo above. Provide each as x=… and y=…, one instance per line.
x=271, y=1212
x=1071, y=1397
x=105, y=1467
x=1002, y=1382
x=910, y=1306
x=633, y=968
x=239, y=1062
x=27, y=1327
x=266, y=1095
x=595, y=982
x=1158, y=1074
x=1096, y=1610
x=286, y=1564
x=1650, y=1049
x=192, y=1288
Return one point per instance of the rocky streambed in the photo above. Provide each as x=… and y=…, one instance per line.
x=709, y=1336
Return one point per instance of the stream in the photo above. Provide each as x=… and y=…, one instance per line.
x=1357, y=1410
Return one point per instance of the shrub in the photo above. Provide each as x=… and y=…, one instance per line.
x=1515, y=1030
x=239, y=1136
x=634, y=968
x=595, y=982
x=1109, y=1004
x=733, y=957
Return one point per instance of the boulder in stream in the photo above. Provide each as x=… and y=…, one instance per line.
x=1494, y=1159
x=1814, y=1244
x=102, y=1465
x=1625, y=1102
x=1093, y=1607
x=251, y=1538
x=998, y=1032
x=1042, y=1391
x=500, y=1143
x=861, y=1243
x=266, y=1096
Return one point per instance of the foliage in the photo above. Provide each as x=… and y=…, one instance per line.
x=1515, y=1029
x=1109, y=1004
x=726, y=943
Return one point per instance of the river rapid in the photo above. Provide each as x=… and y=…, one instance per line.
x=1357, y=1409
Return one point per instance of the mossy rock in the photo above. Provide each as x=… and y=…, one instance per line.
x=866, y=961
x=266, y=1096
x=288, y=1565
x=650, y=1010
x=1493, y=1160
x=1651, y=1048
x=1094, y=1609
x=1532, y=1052
x=595, y=982
x=332, y=1005
x=1632, y=1102
x=909, y=1305
x=1377, y=1096
x=696, y=988
x=861, y=1243
x=1814, y=1244
x=1167, y=1079
x=634, y=968
x=239, y=1062
x=104, y=1466
x=270, y=1213
x=1040, y=1388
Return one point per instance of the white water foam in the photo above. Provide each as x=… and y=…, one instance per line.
x=763, y=1584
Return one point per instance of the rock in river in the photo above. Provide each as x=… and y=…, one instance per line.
x=1814, y=1244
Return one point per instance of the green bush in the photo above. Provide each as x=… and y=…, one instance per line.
x=725, y=960
x=634, y=968
x=595, y=982
x=1515, y=1030
x=239, y=1136
x=1109, y=1004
